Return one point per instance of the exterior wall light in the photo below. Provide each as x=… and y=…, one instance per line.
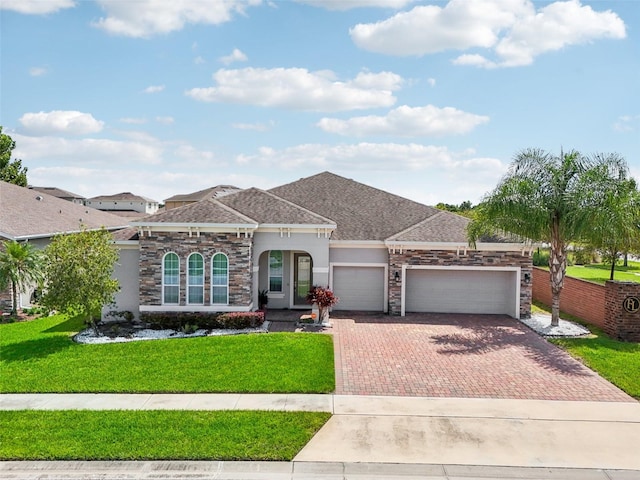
x=527, y=277
x=397, y=276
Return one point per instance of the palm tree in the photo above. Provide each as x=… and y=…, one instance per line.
x=20, y=266
x=551, y=199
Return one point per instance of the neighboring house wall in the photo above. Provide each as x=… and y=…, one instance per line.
x=127, y=273
x=107, y=205
x=471, y=258
x=154, y=246
x=581, y=298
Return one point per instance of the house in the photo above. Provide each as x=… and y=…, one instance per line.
x=187, y=198
x=377, y=251
x=59, y=193
x=125, y=204
x=29, y=215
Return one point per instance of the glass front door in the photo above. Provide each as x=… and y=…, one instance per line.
x=303, y=277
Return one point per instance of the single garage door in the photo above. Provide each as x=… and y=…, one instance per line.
x=359, y=288
x=461, y=291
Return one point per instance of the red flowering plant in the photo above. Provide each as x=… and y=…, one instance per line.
x=324, y=298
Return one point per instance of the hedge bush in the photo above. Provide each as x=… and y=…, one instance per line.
x=205, y=320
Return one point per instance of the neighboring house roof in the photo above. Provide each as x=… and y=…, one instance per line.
x=129, y=233
x=445, y=227
x=208, y=211
x=25, y=213
x=122, y=197
x=360, y=211
x=211, y=192
x=267, y=208
x=58, y=193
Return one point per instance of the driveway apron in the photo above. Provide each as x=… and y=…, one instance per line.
x=453, y=355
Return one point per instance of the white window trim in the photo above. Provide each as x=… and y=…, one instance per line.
x=189, y=279
x=170, y=285
x=212, y=277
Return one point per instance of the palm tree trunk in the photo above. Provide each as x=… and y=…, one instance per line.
x=14, y=298
x=557, y=269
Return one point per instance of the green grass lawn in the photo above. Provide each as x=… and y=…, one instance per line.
x=155, y=435
x=39, y=356
x=600, y=273
x=618, y=362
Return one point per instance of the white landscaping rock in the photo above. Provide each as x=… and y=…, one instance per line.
x=541, y=323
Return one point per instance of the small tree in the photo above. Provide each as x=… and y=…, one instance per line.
x=323, y=298
x=20, y=266
x=10, y=171
x=78, y=272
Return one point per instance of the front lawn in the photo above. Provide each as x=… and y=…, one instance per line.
x=618, y=362
x=155, y=435
x=600, y=273
x=39, y=356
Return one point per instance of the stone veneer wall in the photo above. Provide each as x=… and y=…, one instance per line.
x=450, y=258
x=619, y=323
x=154, y=247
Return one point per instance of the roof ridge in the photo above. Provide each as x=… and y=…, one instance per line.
x=415, y=225
x=295, y=205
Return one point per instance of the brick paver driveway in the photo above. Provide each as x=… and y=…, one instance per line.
x=450, y=355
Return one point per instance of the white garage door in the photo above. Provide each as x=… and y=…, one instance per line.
x=461, y=291
x=359, y=288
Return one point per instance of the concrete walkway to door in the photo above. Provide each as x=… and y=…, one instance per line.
x=454, y=355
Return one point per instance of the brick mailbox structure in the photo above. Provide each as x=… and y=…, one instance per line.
x=622, y=310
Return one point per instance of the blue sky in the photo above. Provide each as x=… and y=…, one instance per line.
x=426, y=99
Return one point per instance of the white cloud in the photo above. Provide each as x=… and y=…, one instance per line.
x=235, y=56
x=627, y=123
x=512, y=30
x=36, y=7
x=431, y=82
x=60, y=121
x=299, y=89
x=145, y=18
x=199, y=60
x=256, y=127
x=165, y=120
x=406, y=121
x=154, y=89
x=133, y=121
x=349, y=4
x=37, y=71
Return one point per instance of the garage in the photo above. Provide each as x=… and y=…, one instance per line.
x=448, y=290
x=360, y=288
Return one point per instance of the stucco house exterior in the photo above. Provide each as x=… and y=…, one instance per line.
x=377, y=251
x=30, y=215
x=124, y=202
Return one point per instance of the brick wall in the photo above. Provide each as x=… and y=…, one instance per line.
x=620, y=323
x=581, y=298
x=451, y=258
x=154, y=247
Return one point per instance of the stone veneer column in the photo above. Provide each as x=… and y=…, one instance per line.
x=619, y=322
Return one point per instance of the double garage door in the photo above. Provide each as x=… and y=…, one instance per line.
x=461, y=291
x=360, y=288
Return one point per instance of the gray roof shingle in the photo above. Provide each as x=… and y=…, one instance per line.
x=209, y=211
x=211, y=192
x=26, y=213
x=361, y=212
x=442, y=227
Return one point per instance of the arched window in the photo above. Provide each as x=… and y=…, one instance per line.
x=171, y=279
x=195, y=279
x=220, y=279
x=275, y=271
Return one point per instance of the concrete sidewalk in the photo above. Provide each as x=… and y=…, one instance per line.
x=415, y=431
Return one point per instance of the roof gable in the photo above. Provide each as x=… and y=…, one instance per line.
x=443, y=227
x=209, y=211
x=27, y=213
x=361, y=212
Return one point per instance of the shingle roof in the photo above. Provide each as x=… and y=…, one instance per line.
x=361, y=212
x=211, y=192
x=124, y=196
x=57, y=192
x=267, y=208
x=208, y=211
x=441, y=227
x=26, y=213
x=129, y=233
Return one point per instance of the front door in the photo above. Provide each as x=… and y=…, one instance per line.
x=302, y=277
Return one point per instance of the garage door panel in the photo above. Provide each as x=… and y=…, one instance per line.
x=460, y=291
x=359, y=288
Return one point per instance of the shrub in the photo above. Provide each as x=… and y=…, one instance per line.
x=541, y=258
x=323, y=298
x=237, y=320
